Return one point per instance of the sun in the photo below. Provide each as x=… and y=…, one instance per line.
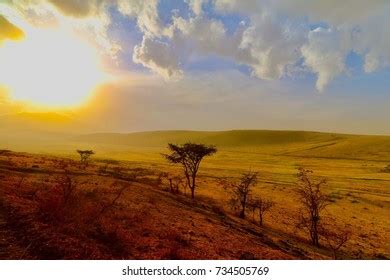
x=49, y=67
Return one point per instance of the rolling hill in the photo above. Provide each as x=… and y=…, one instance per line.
x=232, y=138
x=286, y=143
x=294, y=143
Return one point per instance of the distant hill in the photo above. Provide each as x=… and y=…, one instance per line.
x=232, y=138
x=287, y=143
x=294, y=143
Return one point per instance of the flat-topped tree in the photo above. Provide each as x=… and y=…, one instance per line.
x=85, y=155
x=189, y=155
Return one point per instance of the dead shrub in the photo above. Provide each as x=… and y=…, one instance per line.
x=240, y=191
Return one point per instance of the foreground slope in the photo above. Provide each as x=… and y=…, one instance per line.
x=146, y=223
x=356, y=169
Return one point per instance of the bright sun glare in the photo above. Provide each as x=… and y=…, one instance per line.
x=49, y=68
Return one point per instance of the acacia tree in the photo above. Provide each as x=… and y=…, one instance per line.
x=263, y=205
x=241, y=190
x=313, y=202
x=85, y=155
x=189, y=155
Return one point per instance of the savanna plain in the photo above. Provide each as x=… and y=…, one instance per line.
x=126, y=201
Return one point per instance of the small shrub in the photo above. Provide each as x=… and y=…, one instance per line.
x=386, y=169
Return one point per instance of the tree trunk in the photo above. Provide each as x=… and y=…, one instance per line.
x=243, y=205
x=314, y=233
x=261, y=218
x=193, y=186
x=170, y=185
x=316, y=241
x=188, y=182
x=242, y=213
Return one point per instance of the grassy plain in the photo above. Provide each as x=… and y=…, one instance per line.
x=353, y=166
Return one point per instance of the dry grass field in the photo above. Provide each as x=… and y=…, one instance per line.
x=148, y=222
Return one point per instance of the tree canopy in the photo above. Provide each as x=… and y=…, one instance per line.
x=189, y=155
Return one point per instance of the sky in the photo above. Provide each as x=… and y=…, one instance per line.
x=133, y=65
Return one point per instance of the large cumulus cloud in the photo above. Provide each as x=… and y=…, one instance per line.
x=279, y=36
x=274, y=38
x=159, y=56
x=352, y=25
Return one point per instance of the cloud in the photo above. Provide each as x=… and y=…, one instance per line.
x=265, y=45
x=325, y=54
x=238, y=6
x=276, y=38
x=158, y=56
x=200, y=34
x=77, y=8
x=273, y=45
x=146, y=14
x=89, y=19
x=333, y=12
x=372, y=40
x=354, y=26
x=196, y=6
x=197, y=35
x=9, y=31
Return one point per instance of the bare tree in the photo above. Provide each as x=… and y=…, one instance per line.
x=160, y=178
x=263, y=206
x=241, y=190
x=252, y=208
x=68, y=186
x=313, y=202
x=335, y=236
x=85, y=155
x=189, y=156
x=174, y=181
x=174, y=184
x=111, y=204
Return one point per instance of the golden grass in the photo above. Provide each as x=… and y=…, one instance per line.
x=352, y=165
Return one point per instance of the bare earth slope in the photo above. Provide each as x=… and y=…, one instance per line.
x=146, y=223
